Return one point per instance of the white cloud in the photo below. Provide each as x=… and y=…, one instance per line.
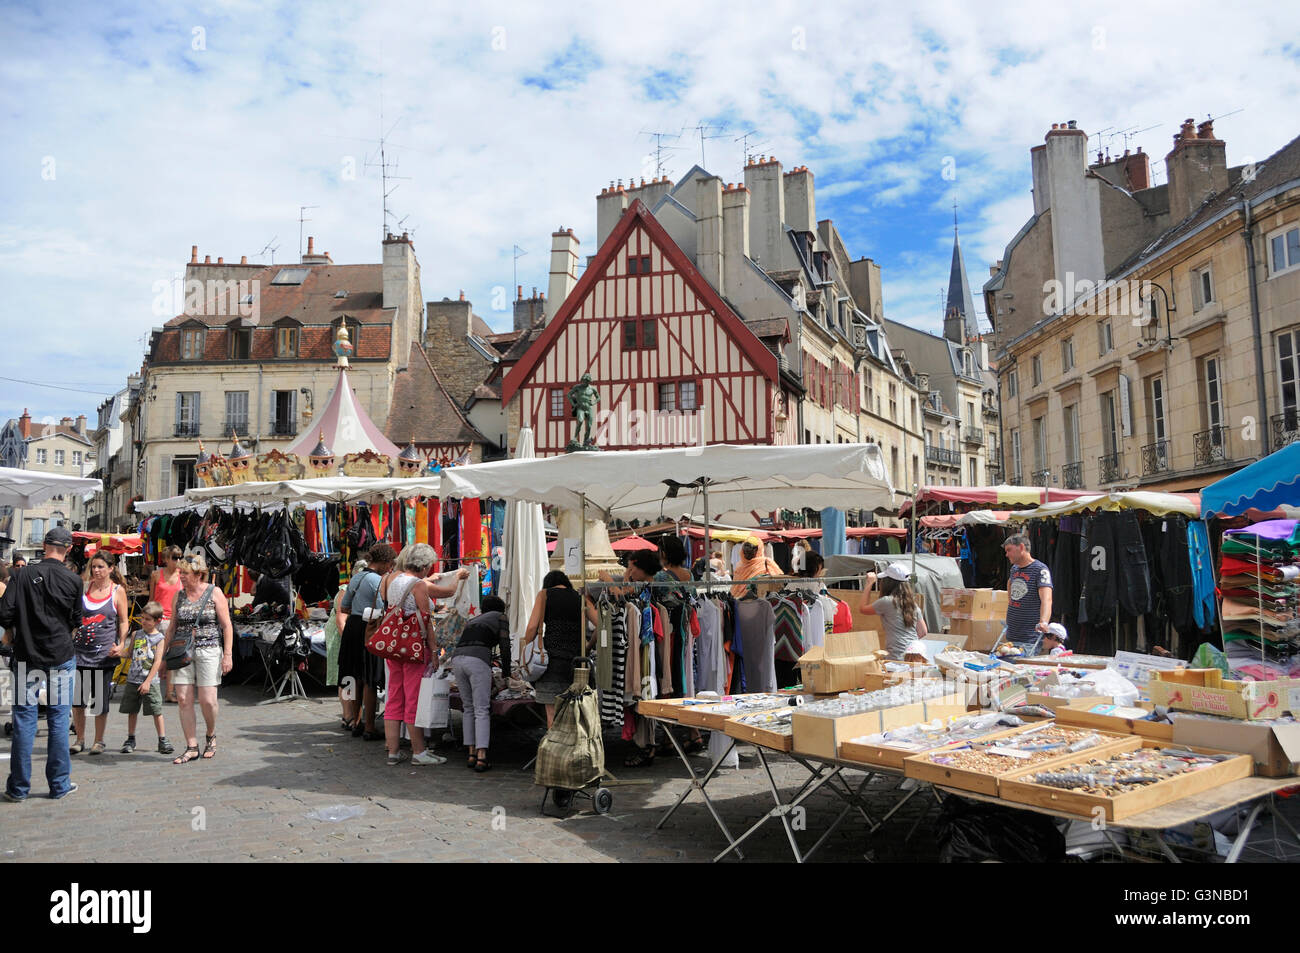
x=157, y=145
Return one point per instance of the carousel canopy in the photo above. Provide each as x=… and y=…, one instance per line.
x=636, y=483
x=1265, y=485
x=343, y=427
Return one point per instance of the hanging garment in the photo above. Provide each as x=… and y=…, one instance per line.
x=843, y=617
x=605, y=649
x=471, y=523
x=1065, y=578
x=787, y=627
x=421, y=521
x=1201, y=562
x=756, y=625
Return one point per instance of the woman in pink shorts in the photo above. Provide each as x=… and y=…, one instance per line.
x=409, y=589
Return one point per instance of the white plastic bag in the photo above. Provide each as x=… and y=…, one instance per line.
x=434, y=708
x=1109, y=682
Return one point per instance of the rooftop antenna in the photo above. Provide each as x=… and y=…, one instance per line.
x=744, y=138
x=659, y=137
x=302, y=217
x=519, y=253
x=269, y=248
x=1210, y=118
x=1132, y=132
x=700, y=130
x=385, y=169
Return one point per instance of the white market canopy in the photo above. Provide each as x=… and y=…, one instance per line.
x=633, y=484
x=324, y=490
x=1160, y=504
x=26, y=488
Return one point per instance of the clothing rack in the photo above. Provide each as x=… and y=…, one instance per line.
x=723, y=583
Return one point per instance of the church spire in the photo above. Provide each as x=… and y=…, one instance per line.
x=959, y=321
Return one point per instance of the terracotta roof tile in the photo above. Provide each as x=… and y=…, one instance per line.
x=423, y=410
x=311, y=302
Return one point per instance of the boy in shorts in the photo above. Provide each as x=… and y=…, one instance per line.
x=142, y=680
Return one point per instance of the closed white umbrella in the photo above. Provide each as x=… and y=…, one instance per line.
x=524, y=545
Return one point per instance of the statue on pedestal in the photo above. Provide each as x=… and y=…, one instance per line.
x=583, y=398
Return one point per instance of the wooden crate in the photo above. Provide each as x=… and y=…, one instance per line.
x=708, y=716
x=923, y=769
x=884, y=756
x=773, y=740
x=1017, y=790
x=1155, y=730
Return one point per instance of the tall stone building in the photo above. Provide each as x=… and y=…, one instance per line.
x=62, y=447
x=251, y=354
x=1149, y=336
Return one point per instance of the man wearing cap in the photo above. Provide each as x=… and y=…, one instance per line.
x=42, y=608
x=1029, y=593
x=752, y=563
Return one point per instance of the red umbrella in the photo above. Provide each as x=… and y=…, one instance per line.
x=633, y=543
x=550, y=547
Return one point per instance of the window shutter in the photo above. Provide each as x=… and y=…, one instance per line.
x=165, y=486
x=292, y=423
x=194, y=418
x=179, y=402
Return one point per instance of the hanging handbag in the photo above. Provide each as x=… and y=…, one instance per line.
x=447, y=630
x=180, y=637
x=533, y=660
x=400, y=636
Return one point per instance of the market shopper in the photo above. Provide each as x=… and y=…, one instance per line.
x=555, y=620
x=408, y=588
x=471, y=661
x=361, y=673
x=100, y=642
x=1029, y=593
x=201, y=610
x=141, y=691
x=39, y=611
x=897, y=607
x=1055, y=640
x=164, y=583
x=753, y=563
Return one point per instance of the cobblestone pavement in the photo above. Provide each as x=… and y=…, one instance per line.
x=277, y=763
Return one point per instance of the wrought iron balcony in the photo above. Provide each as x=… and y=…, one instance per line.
x=1072, y=475
x=1210, y=447
x=1284, y=428
x=993, y=470
x=237, y=424
x=1041, y=477
x=187, y=430
x=1110, y=467
x=942, y=455
x=1155, y=457
x=974, y=435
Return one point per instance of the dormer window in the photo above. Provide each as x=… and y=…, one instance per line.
x=191, y=344
x=286, y=341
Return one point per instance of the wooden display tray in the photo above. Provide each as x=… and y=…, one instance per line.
x=1082, y=718
x=670, y=708
x=1123, y=805
x=918, y=766
x=883, y=756
x=702, y=716
x=759, y=736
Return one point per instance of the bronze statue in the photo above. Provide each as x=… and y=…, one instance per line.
x=583, y=398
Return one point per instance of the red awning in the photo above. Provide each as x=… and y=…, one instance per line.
x=633, y=543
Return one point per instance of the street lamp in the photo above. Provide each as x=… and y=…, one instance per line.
x=1155, y=317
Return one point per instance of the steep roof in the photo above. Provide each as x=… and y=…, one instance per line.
x=311, y=302
x=637, y=215
x=959, y=299
x=422, y=409
x=344, y=426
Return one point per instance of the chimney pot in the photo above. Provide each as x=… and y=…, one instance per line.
x=1205, y=130
x=220, y=260
x=405, y=237
x=207, y=259
x=519, y=292
x=243, y=259
x=194, y=254
x=311, y=243
x=462, y=294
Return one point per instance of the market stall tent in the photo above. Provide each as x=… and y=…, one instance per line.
x=1159, y=504
x=25, y=488
x=1265, y=485
x=987, y=497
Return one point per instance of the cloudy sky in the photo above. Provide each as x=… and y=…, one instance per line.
x=133, y=131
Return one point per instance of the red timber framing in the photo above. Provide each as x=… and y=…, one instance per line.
x=697, y=338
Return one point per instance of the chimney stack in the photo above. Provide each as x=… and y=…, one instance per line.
x=735, y=236
x=1197, y=167
x=708, y=218
x=564, y=269
x=311, y=258
x=610, y=204
x=1075, y=201
x=25, y=425
x=767, y=238
x=81, y=424
x=800, y=203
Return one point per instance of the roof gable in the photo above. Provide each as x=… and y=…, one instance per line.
x=637, y=215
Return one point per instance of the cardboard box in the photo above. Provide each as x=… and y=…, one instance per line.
x=980, y=634
x=1054, y=703
x=974, y=603
x=1275, y=749
x=1244, y=701
x=842, y=664
x=820, y=736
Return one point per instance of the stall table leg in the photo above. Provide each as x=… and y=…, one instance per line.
x=698, y=783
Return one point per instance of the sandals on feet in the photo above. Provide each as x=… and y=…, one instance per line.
x=79, y=747
x=98, y=747
x=210, y=750
x=191, y=754
x=641, y=758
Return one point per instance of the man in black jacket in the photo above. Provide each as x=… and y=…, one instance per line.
x=42, y=608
